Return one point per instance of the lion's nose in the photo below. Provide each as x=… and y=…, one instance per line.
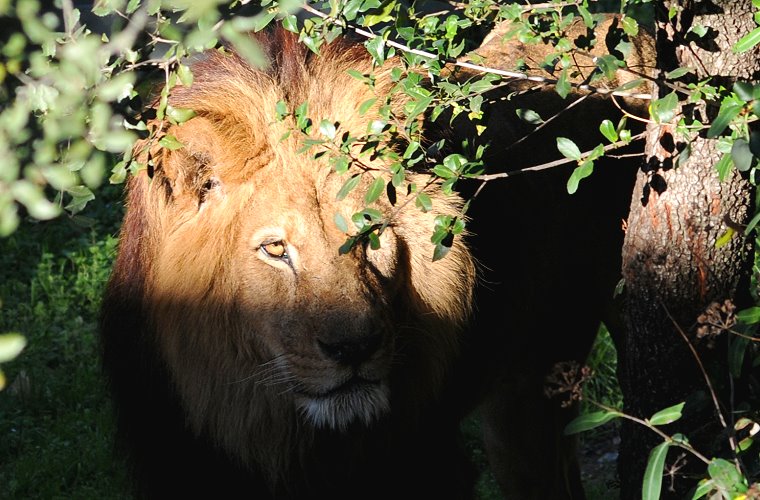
x=351, y=351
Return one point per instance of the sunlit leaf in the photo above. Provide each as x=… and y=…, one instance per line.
x=607, y=128
x=568, y=148
x=170, y=142
x=728, y=111
x=423, y=202
x=327, y=128
x=340, y=222
x=563, y=86
x=348, y=186
x=724, y=166
x=678, y=73
x=579, y=173
x=11, y=345
x=747, y=41
x=375, y=190
x=664, y=110
x=179, y=115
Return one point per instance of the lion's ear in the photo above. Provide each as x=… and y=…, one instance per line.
x=182, y=163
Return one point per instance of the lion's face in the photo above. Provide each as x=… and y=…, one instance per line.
x=256, y=312
x=319, y=327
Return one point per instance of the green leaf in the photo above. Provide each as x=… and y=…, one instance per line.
x=170, y=142
x=725, y=238
x=440, y=251
x=736, y=350
x=581, y=172
x=609, y=64
x=726, y=476
x=749, y=316
x=747, y=41
x=374, y=240
x=745, y=91
x=340, y=164
x=678, y=73
x=529, y=116
x=179, y=115
x=376, y=47
x=244, y=45
x=32, y=197
x=290, y=23
x=741, y=155
x=281, y=110
x=81, y=195
x=728, y=111
x=348, y=186
x=185, y=75
x=568, y=148
x=630, y=26
x=340, y=221
x=704, y=487
x=664, y=110
x=423, y=202
x=607, y=128
x=381, y=15
x=698, y=30
x=364, y=107
x=652, y=485
x=667, y=415
x=327, y=128
x=589, y=421
x=375, y=190
x=723, y=166
x=563, y=85
x=11, y=345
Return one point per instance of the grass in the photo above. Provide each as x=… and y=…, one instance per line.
x=55, y=420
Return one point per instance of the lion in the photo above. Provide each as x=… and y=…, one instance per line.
x=249, y=357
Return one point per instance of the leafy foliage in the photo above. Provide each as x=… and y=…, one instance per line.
x=71, y=97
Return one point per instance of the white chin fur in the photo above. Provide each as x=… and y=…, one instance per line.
x=338, y=411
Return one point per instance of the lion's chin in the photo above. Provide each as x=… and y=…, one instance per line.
x=361, y=403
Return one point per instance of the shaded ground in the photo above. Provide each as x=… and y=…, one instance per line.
x=598, y=456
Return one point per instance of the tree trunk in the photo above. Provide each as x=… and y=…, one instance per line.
x=672, y=267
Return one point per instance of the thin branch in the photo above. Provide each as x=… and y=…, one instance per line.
x=551, y=164
x=657, y=431
x=549, y=120
x=482, y=69
x=713, y=394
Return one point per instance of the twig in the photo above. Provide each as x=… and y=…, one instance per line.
x=657, y=431
x=713, y=395
x=475, y=67
x=555, y=163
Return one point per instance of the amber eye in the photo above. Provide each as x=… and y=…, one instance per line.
x=275, y=249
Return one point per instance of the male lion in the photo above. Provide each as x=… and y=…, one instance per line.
x=248, y=357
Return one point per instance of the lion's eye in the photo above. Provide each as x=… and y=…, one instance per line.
x=275, y=249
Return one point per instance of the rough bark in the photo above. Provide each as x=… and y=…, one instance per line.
x=672, y=267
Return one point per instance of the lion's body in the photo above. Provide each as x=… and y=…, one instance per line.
x=248, y=358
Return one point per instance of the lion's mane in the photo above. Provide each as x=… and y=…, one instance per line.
x=230, y=315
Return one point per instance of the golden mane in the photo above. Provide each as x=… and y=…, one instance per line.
x=245, y=344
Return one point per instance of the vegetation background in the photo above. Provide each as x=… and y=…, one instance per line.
x=55, y=254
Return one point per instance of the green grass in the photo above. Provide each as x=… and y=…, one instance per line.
x=55, y=418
